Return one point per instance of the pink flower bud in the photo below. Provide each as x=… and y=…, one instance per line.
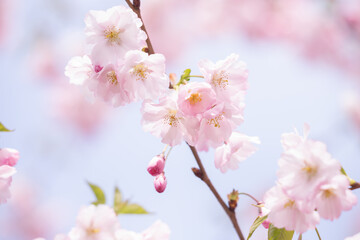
x=8, y=156
x=160, y=183
x=98, y=68
x=156, y=165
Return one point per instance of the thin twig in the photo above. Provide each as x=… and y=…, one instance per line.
x=136, y=10
x=318, y=234
x=355, y=186
x=204, y=177
x=202, y=173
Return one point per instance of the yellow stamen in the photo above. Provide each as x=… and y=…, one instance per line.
x=112, y=35
x=140, y=71
x=220, y=80
x=92, y=231
x=194, y=98
x=310, y=171
x=111, y=76
x=215, y=121
x=171, y=118
x=328, y=193
x=289, y=204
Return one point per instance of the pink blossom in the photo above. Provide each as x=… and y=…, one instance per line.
x=228, y=77
x=157, y=231
x=8, y=156
x=334, y=197
x=6, y=173
x=288, y=213
x=108, y=85
x=79, y=70
x=307, y=162
x=160, y=183
x=112, y=33
x=164, y=120
x=144, y=75
x=156, y=165
x=355, y=237
x=216, y=127
x=95, y=223
x=196, y=98
x=235, y=150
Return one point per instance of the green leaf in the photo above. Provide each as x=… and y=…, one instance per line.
x=117, y=200
x=300, y=237
x=99, y=194
x=279, y=233
x=4, y=129
x=256, y=224
x=132, y=208
x=185, y=75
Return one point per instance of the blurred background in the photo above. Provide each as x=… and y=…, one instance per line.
x=304, y=66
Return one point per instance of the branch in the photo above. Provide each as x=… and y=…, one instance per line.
x=355, y=186
x=136, y=8
x=201, y=173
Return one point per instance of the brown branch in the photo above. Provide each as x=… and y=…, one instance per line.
x=200, y=173
x=355, y=186
x=136, y=8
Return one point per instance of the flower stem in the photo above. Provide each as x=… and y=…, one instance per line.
x=197, y=76
x=250, y=196
x=318, y=234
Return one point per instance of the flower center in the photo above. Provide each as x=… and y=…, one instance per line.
x=289, y=204
x=92, y=231
x=194, y=98
x=140, y=71
x=220, y=79
x=171, y=118
x=309, y=170
x=215, y=121
x=111, y=77
x=328, y=193
x=112, y=35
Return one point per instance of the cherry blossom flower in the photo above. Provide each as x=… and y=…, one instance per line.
x=215, y=128
x=164, y=120
x=235, y=150
x=124, y=234
x=113, y=32
x=334, y=197
x=144, y=75
x=196, y=98
x=288, y=213
x=307, y=162
x=95, y=223
x=108, y=86
x=8, y=156
x=156, y=165
x=228, y=77
x=80, y=69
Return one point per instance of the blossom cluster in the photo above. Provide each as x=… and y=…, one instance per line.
x=8, y=159
x=310, y=185
x=101, y=223
x=116, y=69
x=204, y=114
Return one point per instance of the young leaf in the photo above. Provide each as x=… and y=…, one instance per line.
x=300, y=237
x=279, y=233
x=99, y=194
x=185, y=75
x=256, y=224
x=132, y=209
x=352, y=181
x=117, y=200
x=4, y=129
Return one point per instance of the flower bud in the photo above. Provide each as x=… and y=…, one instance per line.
x=8, y=156
x=156, y=165
x=160, y=183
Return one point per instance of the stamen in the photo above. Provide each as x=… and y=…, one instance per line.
x=111, y=76
x=194, y=98
x=220, y=80
x=112, y=35
x=171, y=118
x=141, y=72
